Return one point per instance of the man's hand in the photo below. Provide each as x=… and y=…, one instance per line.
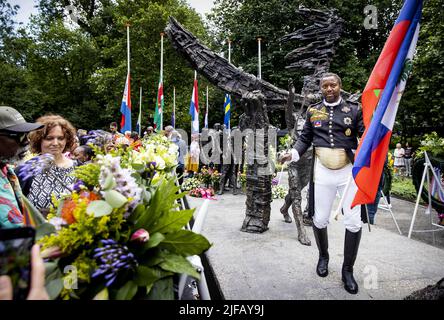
x=37, y=290
x=284, y=158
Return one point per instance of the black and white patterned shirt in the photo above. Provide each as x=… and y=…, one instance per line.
x=55, y=181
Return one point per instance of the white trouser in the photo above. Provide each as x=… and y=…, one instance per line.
x=327, y=183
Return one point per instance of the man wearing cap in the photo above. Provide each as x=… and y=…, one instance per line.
x=13, y=146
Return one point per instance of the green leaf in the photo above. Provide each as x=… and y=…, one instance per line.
x=179, y=264
x=153, y=258
x=115, y=199
x=127, y=292
x=109, y=182
x=185, y=243
x=162, y=290
x=44, y=229
x=54, y=287
x=138, y=167
x=50, y=267
x=99, y=208
x=102, y=295
x=154, y=241
x=146, y=276
x=140, y=209
x=51, y=272
x=173, y=221
x=163, y=200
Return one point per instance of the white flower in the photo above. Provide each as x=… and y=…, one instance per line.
x=114, y=177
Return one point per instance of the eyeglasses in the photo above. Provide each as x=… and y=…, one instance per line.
x=18, y=137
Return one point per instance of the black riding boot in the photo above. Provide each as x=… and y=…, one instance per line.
x=351, y=245
x=322, y=243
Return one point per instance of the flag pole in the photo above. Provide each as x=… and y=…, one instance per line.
x=161, y=74
x=229, y=50
x=128, y=46
x=259, y=75
x=229, y=60
x=206, y=112
x=174, y=107
x=140, y=112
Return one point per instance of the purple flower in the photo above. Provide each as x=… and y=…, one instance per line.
x=36, y=166
x=112, y=258
x=78, y=186
x=275, y=182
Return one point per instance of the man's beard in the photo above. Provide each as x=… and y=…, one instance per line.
x=17, y=158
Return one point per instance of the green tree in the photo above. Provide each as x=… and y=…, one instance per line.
x=356, y=54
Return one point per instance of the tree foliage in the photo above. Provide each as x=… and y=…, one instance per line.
x=358, y=49
x=74, y=63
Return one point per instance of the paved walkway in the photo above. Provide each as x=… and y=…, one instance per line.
x=275, y=266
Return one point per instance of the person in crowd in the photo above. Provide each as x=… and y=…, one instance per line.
x=136, y=142
x=399, y=164
x=114, y=131
x=181, y=144
x=13, y=146
x=55, y=138
x=124, y=140
x=408, y=156
x=332, y=126
x=70, y=153
x=83, y=154
x=109, y=147
x=149, y=131
x=168, y=131
x=192, y=162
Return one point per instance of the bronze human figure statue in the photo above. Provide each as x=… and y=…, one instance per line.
x=255, y=120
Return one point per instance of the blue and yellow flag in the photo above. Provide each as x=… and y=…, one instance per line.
x=227, y=110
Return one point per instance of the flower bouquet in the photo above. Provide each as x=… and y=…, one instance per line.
x=119, y=233
x=190, y=184
x=205, y=176
x=215, y=179
x=278, y=191
x=206, y=193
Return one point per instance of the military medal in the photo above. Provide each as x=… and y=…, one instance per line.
x=347, y=121
x=317, y=124
x=345, y=109
x=348, y=132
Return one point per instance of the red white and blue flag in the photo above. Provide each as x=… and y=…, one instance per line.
x=194, y=108
x=125, y=107
x=383, y=92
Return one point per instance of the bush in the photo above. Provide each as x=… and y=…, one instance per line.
x=403, y=187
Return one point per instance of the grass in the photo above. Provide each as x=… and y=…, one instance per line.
x=402, y=187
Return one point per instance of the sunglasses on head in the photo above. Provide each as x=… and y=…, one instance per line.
x=20, y=137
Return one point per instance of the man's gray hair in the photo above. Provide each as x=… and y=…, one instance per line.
x=169, y=128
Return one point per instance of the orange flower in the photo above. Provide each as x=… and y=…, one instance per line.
x=90, y=196
x=68, y=211
x=69, y=205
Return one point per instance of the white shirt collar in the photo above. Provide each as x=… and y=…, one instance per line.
x=333, y=104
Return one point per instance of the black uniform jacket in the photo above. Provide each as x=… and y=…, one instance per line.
x=331, y=127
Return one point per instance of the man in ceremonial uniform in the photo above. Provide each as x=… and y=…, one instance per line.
x=332, y=127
